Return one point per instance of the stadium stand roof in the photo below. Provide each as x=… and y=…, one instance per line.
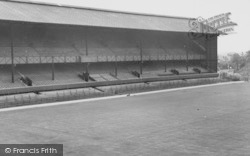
x=36, y=12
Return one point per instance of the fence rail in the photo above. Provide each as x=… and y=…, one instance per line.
x=75, y=59
x=105, y=83
x=83, y=93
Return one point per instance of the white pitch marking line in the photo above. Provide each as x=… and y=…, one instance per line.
x=111, y=97
x=60, y=103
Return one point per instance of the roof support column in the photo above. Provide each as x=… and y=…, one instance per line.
x=141, y=61
x=87, y=67
x=207, y=53
x=165, y=63
x=53, y=68
x=12, y=54
x=187, y=61
x=116, y=70
x=86, y=42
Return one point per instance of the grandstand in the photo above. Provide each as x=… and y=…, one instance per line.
x=43, y=43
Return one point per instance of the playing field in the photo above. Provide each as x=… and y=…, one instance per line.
x=210, y=121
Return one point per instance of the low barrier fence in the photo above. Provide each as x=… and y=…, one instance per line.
x=103, y=83
x=83, y=93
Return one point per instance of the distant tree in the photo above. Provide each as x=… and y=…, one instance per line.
x=223, y=62
x=235, y=60
x=247, y=56
x=243, y=60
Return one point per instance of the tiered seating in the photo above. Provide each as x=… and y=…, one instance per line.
x=125, y=67
x=5, y=79
x=105, y=44
x=42, y=74
x=203, y=70
x=102, y=43
x=52, y=41
x=98, y=48
x=64, y=72
x=126, y=76
x=151, y=47
x=23, y=48
x=5, y=51
x=153, y=66
x=4, y=42
x=182, y=69
x=178, y=44
x=53, y=48
x=97, y=77
x=39, y=76
x=122, y=45
x=148, y=75
x=101, y=68
x=108, y=77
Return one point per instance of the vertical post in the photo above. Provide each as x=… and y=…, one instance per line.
x=141, y=61
x=212, y=43
x=215, y=52
x=173, y=62
x=87, y=51
x=87, y=67
x=200, y=61
x=186, y=57
x=79, y=59
x=12, y=54
x=165, y=63
x=86, y=42
x=116, y=72
x=207, y=52
x=86, y=74
x=53, y=69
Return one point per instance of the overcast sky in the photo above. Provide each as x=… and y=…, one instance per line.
x=240, y=9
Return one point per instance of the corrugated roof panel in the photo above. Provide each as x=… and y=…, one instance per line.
x=37, y=13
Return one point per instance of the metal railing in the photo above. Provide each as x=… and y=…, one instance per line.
x=66, y=95
x=102, y=83
x=81, y=58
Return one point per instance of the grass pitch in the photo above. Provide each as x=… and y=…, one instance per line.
x=202, y=121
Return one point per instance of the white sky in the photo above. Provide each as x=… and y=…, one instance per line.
x=240, y=9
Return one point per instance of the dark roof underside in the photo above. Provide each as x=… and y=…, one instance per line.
x=52, y=14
